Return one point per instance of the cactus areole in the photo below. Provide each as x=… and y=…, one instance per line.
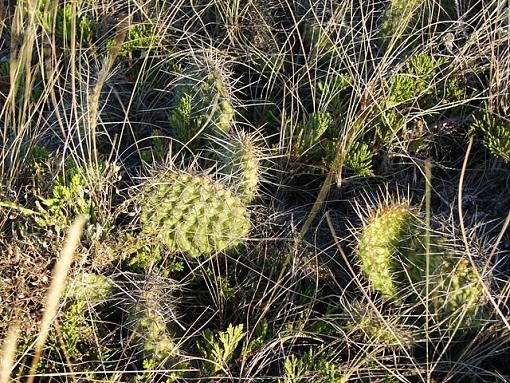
x=193, y=214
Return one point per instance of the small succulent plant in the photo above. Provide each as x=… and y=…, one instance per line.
x=193, y=214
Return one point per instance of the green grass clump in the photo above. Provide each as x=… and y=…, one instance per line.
x=193, y=214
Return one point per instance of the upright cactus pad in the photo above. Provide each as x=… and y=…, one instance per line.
x=456, y=293
x=202, y=102
x=193, y=214
x=378, y=246
x=148, y=323
x=243, y=164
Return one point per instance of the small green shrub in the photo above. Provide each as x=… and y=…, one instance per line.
x=218, y=348
x=495, y=129
x=140, y=37
x=312, y=366
x=307, y=134
x=359, y=159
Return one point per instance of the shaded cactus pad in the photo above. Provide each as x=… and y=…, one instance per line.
x=193, y=214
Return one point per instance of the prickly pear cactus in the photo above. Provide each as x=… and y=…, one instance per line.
x=148, y=322
x=242, y=161
x=202, y=103
x=89, y=287
x=456, y=293
x=379, y=241
x=393, y=257
x=193, y=214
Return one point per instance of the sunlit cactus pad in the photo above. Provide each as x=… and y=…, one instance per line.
x=193, y=214
x=243, y=164
x=393, y=254
x=379, y=241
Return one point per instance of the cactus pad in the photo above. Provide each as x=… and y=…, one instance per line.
x=378, y=246
x=147, y=319
x=193, y=214
x=393, y=257
x=243, y=163
x=202, y=102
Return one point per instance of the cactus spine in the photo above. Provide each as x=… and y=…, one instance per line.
x=193, y=214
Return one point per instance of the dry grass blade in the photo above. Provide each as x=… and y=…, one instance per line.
x=8, y=354
x=55, y=291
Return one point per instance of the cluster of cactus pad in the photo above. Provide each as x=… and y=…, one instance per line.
x=391, y=248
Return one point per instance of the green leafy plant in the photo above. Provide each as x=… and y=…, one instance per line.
x=359, y=159
x=63, y=23
x=141, y=37
x=308, y=133
x=186, y=121
x=192, y=214
x=258, y=339
x=218, y=348
x=313, y=365
x=69, y=199
x=495, y=130
x=415, y=81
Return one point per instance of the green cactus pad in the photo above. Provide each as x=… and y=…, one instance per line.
x=90, y=288
x=202, y=103
x=378, y=246
x=192, y=214
x=148, y=323
x=456, y=293
x=243, y=163
x=393, y=257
